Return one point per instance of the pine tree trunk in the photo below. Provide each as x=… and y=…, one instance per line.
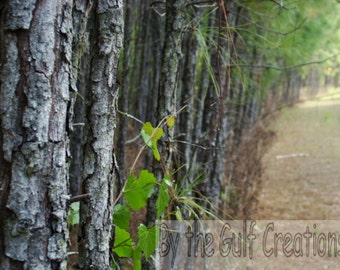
x=172, y=54
x=187, y=117
x=106, y=39
x=35, y=55
x=41, y=65
x=167, y=91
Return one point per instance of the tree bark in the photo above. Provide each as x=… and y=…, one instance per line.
x=167, y=90
x=187, y=117
x=35, y=50
x=172, y=54
x=41, y=66
x=99, y=170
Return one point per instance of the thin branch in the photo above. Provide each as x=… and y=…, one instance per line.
x=131, y=116
x=161, y=124
x=133, y=139
x=154, y=3
x=82, y=197
x=262, y=15
x=279, y=4
x=192, y=144
x=202, y=4
x=299, y=26
x=285, y=68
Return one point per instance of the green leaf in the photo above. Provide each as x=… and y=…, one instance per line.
x=147, y=240
x=146, y=138
x=170, y=121
x=121, y=216
x=123, y=243
x=163, y=198
x=167, y=180
x=154, y=133
x=178, y=214
x=156, y=152
x=138, y=190
x=151, y=136
x=73, y=217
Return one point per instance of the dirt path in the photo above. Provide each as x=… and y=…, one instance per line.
x=302, y=169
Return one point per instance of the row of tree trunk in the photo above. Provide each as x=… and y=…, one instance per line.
x=68, y=66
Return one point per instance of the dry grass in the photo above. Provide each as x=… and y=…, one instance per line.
x=244, y=172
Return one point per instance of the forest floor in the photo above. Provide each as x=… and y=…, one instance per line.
x=302, y=169
x=301, y=178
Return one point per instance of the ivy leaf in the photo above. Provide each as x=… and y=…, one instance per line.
x=73, y=217
x=170, y=121
x=146, y=138
x=151, y=136
x=163, y=198
x=167, y=180
x=121, y=216
x=147, y=240
x=138, y=190
x=123, y=243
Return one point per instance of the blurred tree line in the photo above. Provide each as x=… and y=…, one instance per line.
x=219, y=67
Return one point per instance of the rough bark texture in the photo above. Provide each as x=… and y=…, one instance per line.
x=34, y=94
x=106, y=39
x=168, y=84
x=172, y=55
x=41, y=64
x=187, y=117
x=123, y=98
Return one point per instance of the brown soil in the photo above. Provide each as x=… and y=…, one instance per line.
x=302, y=169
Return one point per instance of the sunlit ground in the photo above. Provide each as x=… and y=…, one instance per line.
x=305, y=183
x=326, y=98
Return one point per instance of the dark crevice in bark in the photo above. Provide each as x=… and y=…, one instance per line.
x=23, y=51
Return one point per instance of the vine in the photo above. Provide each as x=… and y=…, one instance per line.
x=172, y=200
x=136, y=192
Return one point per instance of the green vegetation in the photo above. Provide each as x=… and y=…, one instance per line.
x=232, y=64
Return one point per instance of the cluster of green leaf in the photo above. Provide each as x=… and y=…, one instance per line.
x=136, y=193
x=172, y=200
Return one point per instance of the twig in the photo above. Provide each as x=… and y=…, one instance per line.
x=161, y=124
x=279, y=4
x=81, y=197
x=72, y=253
x=192, y=144
x=285, y=68
x=133, y=139
x=131, y=116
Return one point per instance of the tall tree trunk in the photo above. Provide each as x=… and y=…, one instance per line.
x=106, y=37
x=123, y=98
x=35, y=55
x=144, y=73
x=215, y=120
x=172, y=54
x=167, y=91
x=187, y=98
